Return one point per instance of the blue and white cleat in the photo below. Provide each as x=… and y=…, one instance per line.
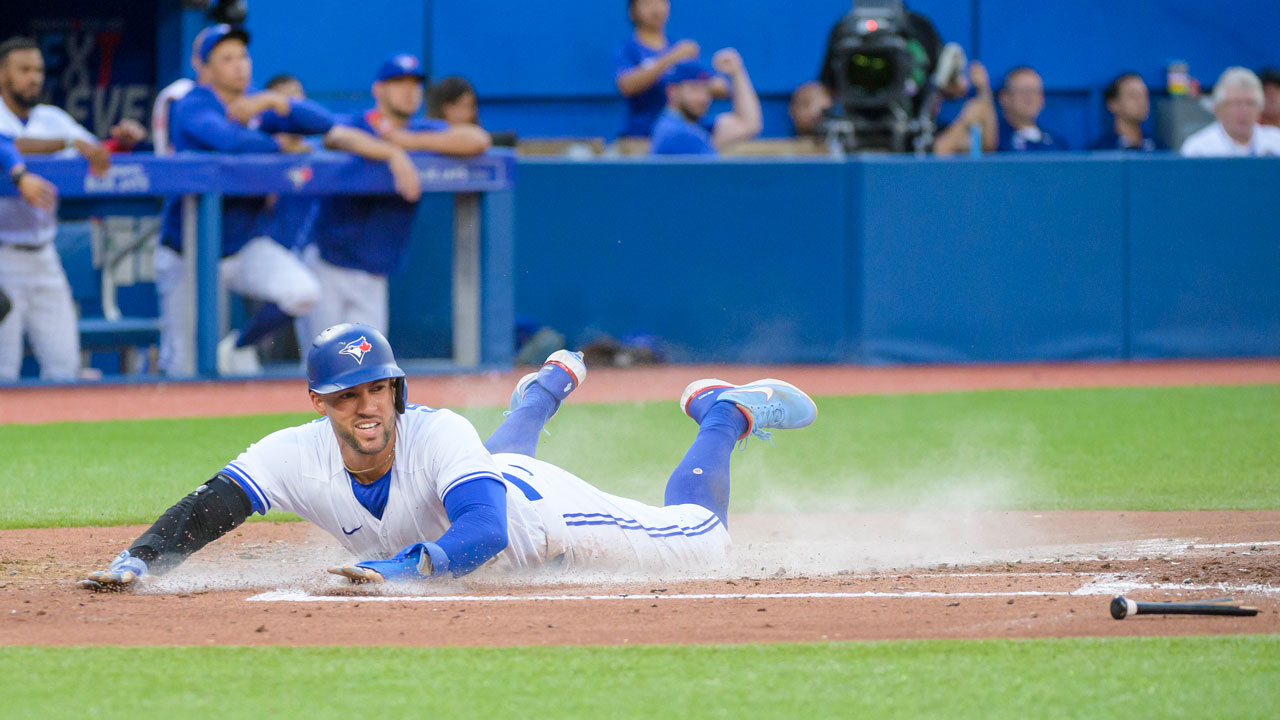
x=767, y=404
x=560, y=375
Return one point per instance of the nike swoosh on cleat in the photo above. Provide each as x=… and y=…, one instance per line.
x=768, y=391
x=352, y=530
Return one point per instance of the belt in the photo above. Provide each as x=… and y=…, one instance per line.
x=25, y=248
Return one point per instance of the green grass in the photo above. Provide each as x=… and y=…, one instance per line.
x=1131, y=449
x=1200, y=677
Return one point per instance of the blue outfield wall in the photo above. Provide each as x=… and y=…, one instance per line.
x=882, y=259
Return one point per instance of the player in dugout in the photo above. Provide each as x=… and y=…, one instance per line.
x=413, y=492
x=221, y=114
x=31, y=270
x=360, y=240
x=35, y=190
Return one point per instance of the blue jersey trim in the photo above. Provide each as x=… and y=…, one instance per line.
x=585, y=519
x=257, y=498
x=469, y=476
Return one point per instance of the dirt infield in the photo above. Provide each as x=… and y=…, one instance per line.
x=811, y=578
x=265, y=585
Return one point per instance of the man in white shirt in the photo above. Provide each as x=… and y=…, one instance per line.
x=1237, y=103
x=30, y=270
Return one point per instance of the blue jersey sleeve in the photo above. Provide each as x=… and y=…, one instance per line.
x=626, y=58
x=477, y=513
x=305, y=118
x=205, y=121
x=9, y=156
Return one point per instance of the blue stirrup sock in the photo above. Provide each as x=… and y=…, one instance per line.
x=269, y=319
x=519, y=432
x=702, y=477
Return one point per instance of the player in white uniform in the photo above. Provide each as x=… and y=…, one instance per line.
x=415, y=492
x=31, y=272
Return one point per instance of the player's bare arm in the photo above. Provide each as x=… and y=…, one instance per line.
x=461, y=140
x=745, y=120
x=246, y=107
x=358, y=142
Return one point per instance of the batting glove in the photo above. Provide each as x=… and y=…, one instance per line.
x=415, y=562
x=123, y=572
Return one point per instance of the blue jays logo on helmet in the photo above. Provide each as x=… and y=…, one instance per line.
x=356, y=349
x=329, y=367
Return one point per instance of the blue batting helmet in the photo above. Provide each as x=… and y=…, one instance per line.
x=352, y=354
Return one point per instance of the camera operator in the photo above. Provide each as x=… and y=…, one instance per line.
x=882, y=68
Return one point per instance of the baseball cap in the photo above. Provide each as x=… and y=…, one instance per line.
x=1269, y=76
x=400, y=65
x=209, y=38
x=689, y=70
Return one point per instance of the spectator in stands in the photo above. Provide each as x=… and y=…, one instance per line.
x=1129, y=104
x=644, y=61
x=682, y=129
x=360, y=240
x=978, y=110
x=30, y=270
x=453, y=100
x=221, y=115
x=1021, y=100
x=809, y=104
x=1270, y=78
x=1237, y=103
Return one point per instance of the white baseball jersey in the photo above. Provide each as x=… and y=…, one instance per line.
x=1213, y=141
x=172, y=93
x=553, y=517
x=599, y=531
x=19, y=222
x=300, y=470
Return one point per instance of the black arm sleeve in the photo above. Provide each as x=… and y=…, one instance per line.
x=213, y=510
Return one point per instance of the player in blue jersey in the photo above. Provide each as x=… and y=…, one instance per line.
x=221, y=115
x=644, y=61
x=684, y=129
x=360, y=240
x=1021, y=100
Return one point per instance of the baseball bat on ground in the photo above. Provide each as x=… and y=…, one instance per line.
x=1122, y=607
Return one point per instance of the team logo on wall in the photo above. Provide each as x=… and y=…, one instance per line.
x=300, y=176
x=357, y=349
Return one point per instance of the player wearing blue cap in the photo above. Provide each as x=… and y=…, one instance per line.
x=683, y=129
x=360, y=240
x=413, y=492
x=221, y=115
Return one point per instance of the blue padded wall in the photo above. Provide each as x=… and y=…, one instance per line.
x=719, y=259
x=991, y=260
x=1205, y=264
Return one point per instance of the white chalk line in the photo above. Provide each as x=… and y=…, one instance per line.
x=1102, y=585
x=1098, y=584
